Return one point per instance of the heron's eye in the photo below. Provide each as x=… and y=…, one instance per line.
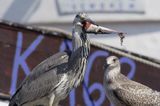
x=82, y=18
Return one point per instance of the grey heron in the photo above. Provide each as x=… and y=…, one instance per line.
x=122, y=91
x=54, y=78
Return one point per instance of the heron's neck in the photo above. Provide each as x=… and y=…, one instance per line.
x=78, y=59
x=80, y=51
x=80, y=42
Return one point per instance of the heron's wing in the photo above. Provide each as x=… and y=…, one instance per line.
x=133, y=93
x=41, y=79
x=48, y=64
x=38, y=88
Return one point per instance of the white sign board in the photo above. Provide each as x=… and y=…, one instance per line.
x=100, y=6
x=60, y=11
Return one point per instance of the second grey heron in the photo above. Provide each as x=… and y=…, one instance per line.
x=122, y=91
x=54, y=78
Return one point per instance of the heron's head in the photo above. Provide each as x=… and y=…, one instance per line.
x=89, y=26
x=112, y=61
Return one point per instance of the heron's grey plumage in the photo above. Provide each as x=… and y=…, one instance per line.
x=32, y=87
x=124, y=92
x=53, y=79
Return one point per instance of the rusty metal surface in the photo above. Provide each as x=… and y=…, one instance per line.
x=21, y=49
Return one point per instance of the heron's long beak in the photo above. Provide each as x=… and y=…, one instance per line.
x=96, y=29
